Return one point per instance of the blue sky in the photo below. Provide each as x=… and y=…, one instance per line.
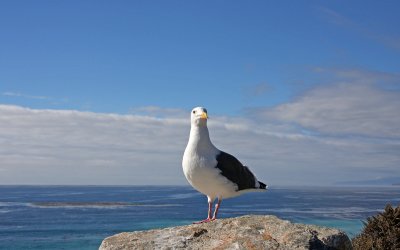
x=325, y=70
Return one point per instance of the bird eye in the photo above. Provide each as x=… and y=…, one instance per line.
x=205, y=110
x=194, y=112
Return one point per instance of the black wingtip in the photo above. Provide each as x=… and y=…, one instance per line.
x=262, y=185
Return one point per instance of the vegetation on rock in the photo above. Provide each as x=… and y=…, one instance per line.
x=381, y=231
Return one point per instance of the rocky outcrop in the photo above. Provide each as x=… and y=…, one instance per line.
x=246, y=232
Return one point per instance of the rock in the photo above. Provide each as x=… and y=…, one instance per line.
x=245, y=232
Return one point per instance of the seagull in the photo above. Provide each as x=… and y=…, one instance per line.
x=212, y=172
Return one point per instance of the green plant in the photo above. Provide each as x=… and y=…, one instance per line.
x=381, y=231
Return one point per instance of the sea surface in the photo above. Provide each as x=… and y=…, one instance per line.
x=80, y=217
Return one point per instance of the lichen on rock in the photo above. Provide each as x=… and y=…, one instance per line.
x=245, y=232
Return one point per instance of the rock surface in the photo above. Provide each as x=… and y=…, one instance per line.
x=245, y=232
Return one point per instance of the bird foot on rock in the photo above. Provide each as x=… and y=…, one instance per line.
x=205, y=221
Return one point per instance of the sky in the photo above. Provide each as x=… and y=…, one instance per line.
x=100, y=92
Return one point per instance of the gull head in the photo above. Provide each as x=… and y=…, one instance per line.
x=199, y=116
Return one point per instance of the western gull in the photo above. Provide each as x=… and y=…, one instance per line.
x=211, y=171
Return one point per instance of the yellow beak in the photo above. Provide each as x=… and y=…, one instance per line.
x=204, y=115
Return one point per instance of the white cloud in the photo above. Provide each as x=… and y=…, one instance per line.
x=79, y=147
x=357, y=106
x=154, y=111
x=347, y=129
x=15, y=94
x=257, y=90
x=73, y=147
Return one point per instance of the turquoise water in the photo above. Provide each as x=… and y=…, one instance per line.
x=80, y=217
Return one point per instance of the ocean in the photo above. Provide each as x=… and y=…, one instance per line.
x=80, y=217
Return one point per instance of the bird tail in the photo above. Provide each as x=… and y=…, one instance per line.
x=262, y=185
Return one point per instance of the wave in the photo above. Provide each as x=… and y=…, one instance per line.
x=315, y=211
x=173, y=197
x=95, y=205
x=183, y=196
x=12, y=204
x=5, y=204
x=62, y=194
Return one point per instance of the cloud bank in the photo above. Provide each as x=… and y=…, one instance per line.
x=345, y=131
x=61, y=146
x=344, y=109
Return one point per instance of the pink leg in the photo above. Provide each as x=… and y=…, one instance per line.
x=209, y=215
x=216, y=209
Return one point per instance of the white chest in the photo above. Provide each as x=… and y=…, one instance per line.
x=196, y=160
